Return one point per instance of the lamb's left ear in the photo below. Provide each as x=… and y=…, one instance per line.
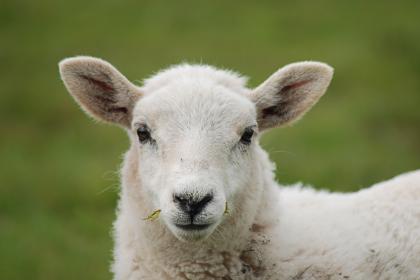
x=290, y=92
x=100, y=89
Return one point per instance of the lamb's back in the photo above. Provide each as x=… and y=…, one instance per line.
x=362, y=235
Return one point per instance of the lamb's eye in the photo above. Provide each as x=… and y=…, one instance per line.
x=143, y=132
x=247, y=136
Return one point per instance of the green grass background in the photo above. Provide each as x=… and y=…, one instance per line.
x=59, y=182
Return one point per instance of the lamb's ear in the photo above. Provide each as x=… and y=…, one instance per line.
x=100, y=89
x=290, y=92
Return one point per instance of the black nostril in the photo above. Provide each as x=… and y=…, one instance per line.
x=206, y=199
x=180, y=199
x=192, y=205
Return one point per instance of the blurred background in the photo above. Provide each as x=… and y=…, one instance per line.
x=59, y=170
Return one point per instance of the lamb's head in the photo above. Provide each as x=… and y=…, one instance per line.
x=195, y=130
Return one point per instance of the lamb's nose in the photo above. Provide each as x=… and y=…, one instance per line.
x=192, y=205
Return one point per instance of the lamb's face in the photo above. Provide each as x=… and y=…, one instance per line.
x=195, y=144
x=195, y=131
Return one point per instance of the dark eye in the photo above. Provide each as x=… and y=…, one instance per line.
x=143, y=132
x=247, y=136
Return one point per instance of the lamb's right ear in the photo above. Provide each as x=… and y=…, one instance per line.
x=100, y=89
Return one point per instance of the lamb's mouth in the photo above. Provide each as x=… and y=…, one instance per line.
x=191, y=227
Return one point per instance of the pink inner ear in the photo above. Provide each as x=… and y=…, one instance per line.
x=295, y=85
x=101, y=84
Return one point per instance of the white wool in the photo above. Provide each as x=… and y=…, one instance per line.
x=196, y=116
x=186, y=71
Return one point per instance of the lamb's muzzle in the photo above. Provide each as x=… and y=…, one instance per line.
x=191, y=205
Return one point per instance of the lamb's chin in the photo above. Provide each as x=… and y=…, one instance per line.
x=192, y=235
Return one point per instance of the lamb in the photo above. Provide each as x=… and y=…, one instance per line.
x=198, y=197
